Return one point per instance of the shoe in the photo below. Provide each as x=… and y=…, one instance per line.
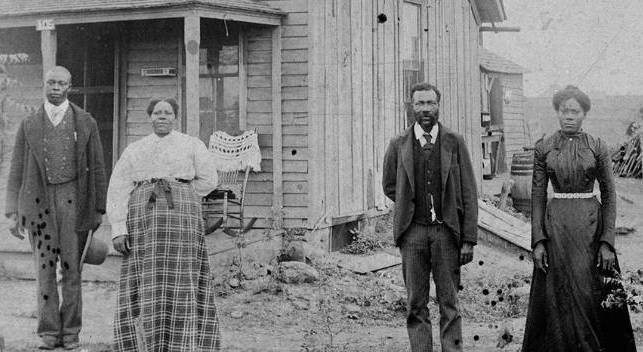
x=47, y=345
x=71, y=345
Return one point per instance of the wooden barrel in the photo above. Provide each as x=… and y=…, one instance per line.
x=522, y=168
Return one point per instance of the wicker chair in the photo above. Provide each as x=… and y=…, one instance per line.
x=235, y=156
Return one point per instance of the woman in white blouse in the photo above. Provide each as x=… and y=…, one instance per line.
x=165, y=297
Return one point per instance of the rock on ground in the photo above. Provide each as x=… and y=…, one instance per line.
x=296, y=273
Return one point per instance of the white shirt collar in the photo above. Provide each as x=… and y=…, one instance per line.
x=419, y=133
x=56, y=113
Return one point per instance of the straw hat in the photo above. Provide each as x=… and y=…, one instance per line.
x=95, y=251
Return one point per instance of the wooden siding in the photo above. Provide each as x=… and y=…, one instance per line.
x=358, y=93
x=453, y=67
x=356, y=107
x=142, y=51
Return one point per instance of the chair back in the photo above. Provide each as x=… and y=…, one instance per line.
x=233, y=154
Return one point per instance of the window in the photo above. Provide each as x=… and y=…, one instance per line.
x=411, y=51
x=219, y=78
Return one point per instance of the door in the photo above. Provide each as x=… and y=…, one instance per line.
x=88, y=52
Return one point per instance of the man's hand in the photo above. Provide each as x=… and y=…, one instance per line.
x=14, y=227
x=540, y=257
x=606, y=257
x=121, y=244
x=466, y=253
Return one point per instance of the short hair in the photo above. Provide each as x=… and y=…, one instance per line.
x=154, y=101
x=572, y=92
x=61, y=69
x=425, y=86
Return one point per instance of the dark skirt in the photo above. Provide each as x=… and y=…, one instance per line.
x=564, y=313
x=166, y=297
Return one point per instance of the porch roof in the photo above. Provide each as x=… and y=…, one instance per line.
x=495, y=63
x=490, y=11
x=27, y=12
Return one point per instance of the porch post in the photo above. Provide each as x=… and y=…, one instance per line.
x=192, y=39
x=277, y=162
x=48, y=46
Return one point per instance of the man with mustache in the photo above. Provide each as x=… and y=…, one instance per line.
x=429, y=176
x=56, y=192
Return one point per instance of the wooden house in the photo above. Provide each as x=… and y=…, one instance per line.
x=503, y=103
x=325, y=82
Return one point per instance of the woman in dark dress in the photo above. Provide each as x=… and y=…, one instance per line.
x=573, y=240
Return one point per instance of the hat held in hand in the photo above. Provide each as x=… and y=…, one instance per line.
x=95, y=251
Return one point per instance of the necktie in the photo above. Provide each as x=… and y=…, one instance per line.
x=427, y=137
x=57, y=115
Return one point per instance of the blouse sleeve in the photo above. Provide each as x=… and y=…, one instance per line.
x=539, y=184
x=205, y=171
x=608, y=192
x=121, y=185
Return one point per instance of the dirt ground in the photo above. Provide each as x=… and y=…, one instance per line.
x=343, y=311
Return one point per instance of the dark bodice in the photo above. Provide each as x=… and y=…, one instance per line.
x=571, y=163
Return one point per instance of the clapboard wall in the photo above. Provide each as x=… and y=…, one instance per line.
x=356, y=94
x=513, y=114
x=453, y=46
x=150, y=44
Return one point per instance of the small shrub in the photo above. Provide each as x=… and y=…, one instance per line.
x=363, y=243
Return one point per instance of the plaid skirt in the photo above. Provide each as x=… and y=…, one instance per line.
x=165, y=296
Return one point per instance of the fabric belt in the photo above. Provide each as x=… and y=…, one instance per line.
x=161, y=186
x=573, y=195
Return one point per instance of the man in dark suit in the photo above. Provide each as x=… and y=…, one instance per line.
x=56, y=193
x=429, y=176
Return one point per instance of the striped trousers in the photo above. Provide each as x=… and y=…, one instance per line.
x=430, y=250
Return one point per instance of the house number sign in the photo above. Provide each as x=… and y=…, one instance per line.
x=45, y=25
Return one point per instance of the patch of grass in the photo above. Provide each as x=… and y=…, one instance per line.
x=492, y=299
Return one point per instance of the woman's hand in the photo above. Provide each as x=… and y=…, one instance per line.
x=121, y=244
x=606, y=257
x=540, y=257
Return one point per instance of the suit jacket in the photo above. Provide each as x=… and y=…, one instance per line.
x=459, y=191
x=27, y=184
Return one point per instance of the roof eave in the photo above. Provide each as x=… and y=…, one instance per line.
x=268, y=16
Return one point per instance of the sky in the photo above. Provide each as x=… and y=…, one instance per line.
x=594, y=44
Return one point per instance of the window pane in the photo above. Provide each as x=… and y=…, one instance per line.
x=412, y=65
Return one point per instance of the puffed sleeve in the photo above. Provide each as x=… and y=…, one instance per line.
x=121, y=184
x=205, y=175
x=608, y=192
x=539, y=184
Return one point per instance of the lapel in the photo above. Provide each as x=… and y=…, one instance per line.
x=446, y=152
x=407, y=156
x=34, y=126
x=81, y=128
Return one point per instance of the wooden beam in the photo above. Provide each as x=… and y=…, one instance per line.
x=48, y=47
x=499, y=29
x=121, y=141
x=316, y=103
x=116, y=101
x=277, y=162
x=192, y=40
x=243, y=81
x=180, y=84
